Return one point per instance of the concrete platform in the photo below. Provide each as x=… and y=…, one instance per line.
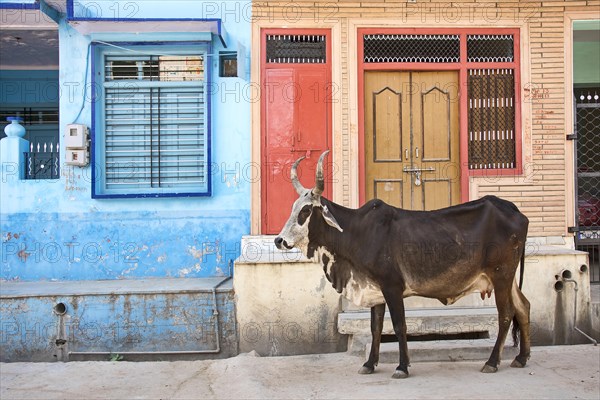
x=425, y=321
x=560, y=372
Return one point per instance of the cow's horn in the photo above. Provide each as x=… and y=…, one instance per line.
x=294, y=176
x=320, y=181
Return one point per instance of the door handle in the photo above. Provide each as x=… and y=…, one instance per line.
x=306, y=151
x=416, y=152
x=406, y=154
x=418, y=170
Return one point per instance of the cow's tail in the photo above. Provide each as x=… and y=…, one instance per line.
x=515, y=330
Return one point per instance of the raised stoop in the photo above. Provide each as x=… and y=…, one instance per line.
x=444, y=350
x=436, y=323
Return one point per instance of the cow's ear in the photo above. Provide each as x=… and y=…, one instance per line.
x=330, y=219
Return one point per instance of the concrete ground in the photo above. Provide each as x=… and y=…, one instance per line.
x=560, y=372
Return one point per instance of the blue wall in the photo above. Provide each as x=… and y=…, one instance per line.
x=54, y=230
x=111, y=323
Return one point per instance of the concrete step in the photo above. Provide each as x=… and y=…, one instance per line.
x=444, y=350
x=426, y=321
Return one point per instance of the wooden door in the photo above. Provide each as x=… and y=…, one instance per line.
x=412, y=138
x=296, y=122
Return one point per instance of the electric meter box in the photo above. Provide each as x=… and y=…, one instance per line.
x=78, y=158
x=76, y=136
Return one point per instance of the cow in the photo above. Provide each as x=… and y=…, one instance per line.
x=379, y=254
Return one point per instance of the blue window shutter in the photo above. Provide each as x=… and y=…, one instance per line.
x=155, y=139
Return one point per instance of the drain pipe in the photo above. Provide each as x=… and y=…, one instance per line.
x=60, y=310
x=566, y=277
x=216, y=350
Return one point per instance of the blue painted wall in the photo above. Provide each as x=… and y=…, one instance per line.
x=115, y=324
x=54, y=230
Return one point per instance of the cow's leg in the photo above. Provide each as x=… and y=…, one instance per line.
x=521, y=305
x=377, y=315
x=395, y=302
x=506, y=314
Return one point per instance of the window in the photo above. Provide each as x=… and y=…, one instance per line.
x=491, y=102
x=228, y=64
x=151, y=125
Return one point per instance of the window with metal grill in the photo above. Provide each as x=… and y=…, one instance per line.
x=491, y=119
x=296, y=49
x=490, y=48
x=380, y=48
x=151, y=126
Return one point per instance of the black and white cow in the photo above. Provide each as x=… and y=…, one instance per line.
x=379, y=254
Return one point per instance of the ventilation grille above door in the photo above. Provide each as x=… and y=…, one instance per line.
x=296, y=49
x=411, y=48
x=490, y=48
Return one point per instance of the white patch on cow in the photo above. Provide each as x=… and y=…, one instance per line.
x=368, y=296
x=319, y=254
x=293, y=234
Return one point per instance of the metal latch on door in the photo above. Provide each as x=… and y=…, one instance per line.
x=417, y=173
x=306, y=151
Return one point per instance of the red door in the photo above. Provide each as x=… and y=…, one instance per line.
x=296, y=119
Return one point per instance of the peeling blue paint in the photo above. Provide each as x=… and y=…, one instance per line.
x=120, y=245
x=31, y=331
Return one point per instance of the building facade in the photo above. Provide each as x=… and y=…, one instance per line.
x=160, y=137
x=136, y=143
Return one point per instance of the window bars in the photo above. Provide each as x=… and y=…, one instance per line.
x=155, y=136
x=491, y=118
x=490, y=48
x=296, y=49
x=382, y=48
x=379, y=48
x=42, y=161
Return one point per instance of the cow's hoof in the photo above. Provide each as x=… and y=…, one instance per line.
x=488, y=369
x=517, y=364
x=399, y=374
x=364, y=370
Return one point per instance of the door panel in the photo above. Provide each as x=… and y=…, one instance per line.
x=387, y=137
x=296, y=123
x=411, y=138
x=436, y=127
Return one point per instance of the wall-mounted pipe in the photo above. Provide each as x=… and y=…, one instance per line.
x=217, y=329
x=60, y=310
x=563, y=278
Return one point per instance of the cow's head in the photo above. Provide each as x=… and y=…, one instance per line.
x=295, y=231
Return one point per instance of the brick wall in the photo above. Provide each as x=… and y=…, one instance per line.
x=542, y=191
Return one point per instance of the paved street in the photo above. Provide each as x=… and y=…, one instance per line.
x=560, y=372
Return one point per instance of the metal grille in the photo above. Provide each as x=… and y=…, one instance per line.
x=296, y=49
x=42, y=161
x=588, y=176
x=154, y=68
x=411, y=48
x=31, y=115
x=491, y=118
x=155, y=138
x=490, y=48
